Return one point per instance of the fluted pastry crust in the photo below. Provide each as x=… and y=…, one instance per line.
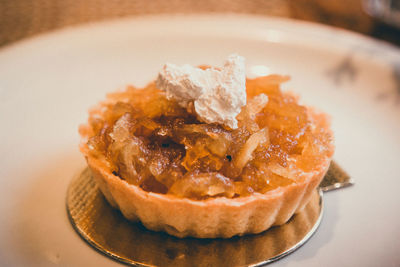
x=211, y=218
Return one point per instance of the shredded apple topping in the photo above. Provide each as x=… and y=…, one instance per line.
x=160, y=146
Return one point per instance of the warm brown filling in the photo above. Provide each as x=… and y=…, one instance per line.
x=153, y=143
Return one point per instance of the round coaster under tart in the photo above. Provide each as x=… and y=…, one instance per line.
x=106, y=230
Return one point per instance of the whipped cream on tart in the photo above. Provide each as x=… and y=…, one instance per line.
x=207, y=153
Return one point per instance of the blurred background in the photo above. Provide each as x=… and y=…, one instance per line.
x=45, y=93
x=23, y=18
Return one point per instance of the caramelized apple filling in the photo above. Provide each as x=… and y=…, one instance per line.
x=154, y=143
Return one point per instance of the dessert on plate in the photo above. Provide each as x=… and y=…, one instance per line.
x=205, y=152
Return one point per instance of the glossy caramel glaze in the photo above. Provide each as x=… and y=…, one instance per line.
x=153, y=143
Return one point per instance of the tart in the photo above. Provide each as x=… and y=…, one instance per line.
x=159, y=164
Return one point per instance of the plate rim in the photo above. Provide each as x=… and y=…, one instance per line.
x=343, y=36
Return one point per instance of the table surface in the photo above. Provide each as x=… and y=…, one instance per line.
x=20, y=19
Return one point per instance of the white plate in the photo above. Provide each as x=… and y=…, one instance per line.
x=47, y=84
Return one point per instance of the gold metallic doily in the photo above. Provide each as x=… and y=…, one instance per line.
x=105, y=229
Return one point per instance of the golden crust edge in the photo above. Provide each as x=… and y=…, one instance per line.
x=219, y=217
